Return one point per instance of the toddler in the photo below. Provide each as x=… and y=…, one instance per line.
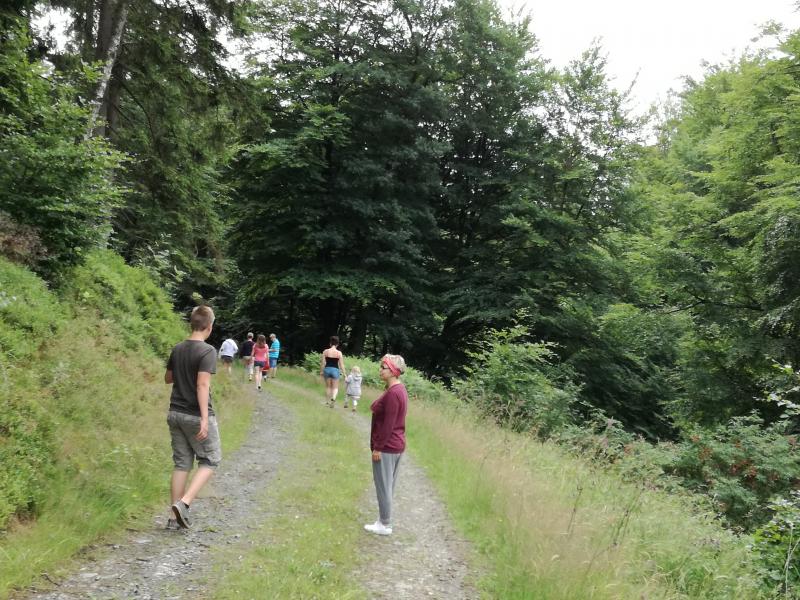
x=353, y=391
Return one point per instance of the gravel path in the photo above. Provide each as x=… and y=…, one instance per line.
x=424, y=558
x=156, y=564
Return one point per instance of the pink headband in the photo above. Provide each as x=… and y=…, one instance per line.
x=391, y=366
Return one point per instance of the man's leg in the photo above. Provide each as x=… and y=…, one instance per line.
x=178, y=485
x=200, y=478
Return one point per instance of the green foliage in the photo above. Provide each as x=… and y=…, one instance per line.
x=129, y=298
x=27, y=445
x=30, y=318
x=741, y=465
x=777, y=544
x=725, y=233
x=515, y=383
x=52, y=180
x=30, y=315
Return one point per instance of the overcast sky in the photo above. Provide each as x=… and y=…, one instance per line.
x=662, y=41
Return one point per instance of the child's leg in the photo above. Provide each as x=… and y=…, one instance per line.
x=355, y=402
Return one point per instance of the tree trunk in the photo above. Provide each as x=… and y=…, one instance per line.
x=355, y=344
x=111, y=25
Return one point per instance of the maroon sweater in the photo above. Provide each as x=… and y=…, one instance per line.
x=388, y=433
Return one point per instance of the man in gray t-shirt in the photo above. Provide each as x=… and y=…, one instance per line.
x=186, y=360
x=192, y=424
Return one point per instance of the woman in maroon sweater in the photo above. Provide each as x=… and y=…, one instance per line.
x=388, y=439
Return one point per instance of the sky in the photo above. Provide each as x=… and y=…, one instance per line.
x=661, y=41
x=655, y=42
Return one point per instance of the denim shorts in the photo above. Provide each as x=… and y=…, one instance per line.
x=186, y=447
x=330, y=373
x=273, y=362
x=260, y=363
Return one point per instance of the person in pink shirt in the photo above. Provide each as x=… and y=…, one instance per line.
x=388, y=439
x=260, y=360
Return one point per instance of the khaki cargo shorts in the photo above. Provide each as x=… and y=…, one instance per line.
x=185, y=446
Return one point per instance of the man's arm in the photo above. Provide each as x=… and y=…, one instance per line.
x=168, y=376
x=203, y=387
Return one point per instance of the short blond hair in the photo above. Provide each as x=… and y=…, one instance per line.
x=202, y=316
x=397, y=360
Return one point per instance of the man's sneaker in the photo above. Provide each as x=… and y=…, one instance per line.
x=172, y=525
x=378, y=528
x=181, y=512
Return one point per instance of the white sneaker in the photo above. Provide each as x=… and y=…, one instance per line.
x=378, y=528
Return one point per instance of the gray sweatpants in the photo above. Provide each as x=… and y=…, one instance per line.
x=384, y=473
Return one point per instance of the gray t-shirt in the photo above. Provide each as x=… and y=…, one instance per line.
x=186, y=360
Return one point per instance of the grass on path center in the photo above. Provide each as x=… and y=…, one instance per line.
x=309, y=547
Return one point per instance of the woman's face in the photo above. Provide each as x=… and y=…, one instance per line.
x=385, y=373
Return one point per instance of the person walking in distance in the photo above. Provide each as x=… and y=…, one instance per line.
x=192, y=423
x=260, y=357
x=388, y=439
x=226, y=352
x=330, y=369
x=274, y=353
x=247, y=355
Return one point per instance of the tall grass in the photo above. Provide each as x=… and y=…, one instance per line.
x=550, y=526
x=309, y=547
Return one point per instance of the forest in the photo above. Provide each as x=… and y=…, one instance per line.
x=414, y=176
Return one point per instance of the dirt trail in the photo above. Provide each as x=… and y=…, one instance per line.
x=156, y=564
x=424, y=558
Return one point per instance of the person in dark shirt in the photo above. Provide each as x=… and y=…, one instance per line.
x=387, y=439
x=192, y=423
x=247, y=355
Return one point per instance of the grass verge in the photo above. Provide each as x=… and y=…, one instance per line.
x=307, y=550
x=549, y=526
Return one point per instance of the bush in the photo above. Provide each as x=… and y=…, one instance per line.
x=741, y=465
x=29, y=312
x=516, y=384
x=30, y=315
x=778, y=542
x=26, y=456
x=128, y=297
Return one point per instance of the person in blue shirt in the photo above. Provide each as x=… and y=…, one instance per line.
x=274, y=352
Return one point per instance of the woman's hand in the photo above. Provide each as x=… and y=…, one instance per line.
x=376, y=456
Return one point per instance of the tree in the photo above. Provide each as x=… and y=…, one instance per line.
x=333, y=200
x=53, y=182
